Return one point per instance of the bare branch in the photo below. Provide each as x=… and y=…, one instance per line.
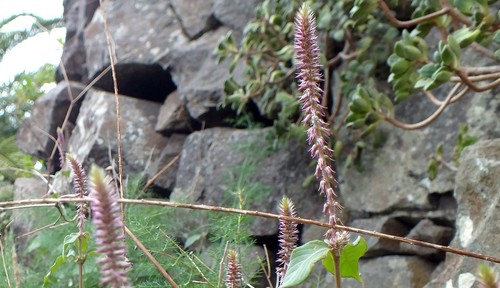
x=263, y=215
x=413, y=22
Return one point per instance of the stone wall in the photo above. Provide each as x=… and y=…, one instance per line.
x=170, y=87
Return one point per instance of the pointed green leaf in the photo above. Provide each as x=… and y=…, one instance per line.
x=349, y=259
x=49, y=278
x=302, y=262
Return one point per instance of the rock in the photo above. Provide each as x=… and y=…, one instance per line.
x=173, y=116
x=94, y=137
x=165, y=176
x=140, y=42
x=427, y=231
x=225, y=11
x=196, y=16
x=77, y=14
x=393, y=271
x=387, y=225
x=199, y=78
x=47, y=114
x=217, y=164
x=478, y=222
x=24, y=219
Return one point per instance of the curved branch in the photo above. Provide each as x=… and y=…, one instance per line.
x=484, y=77
x=467, y=81
x=431, y=118
x=413, y=22
x=438, y=102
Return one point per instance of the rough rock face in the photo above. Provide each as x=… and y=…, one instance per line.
x=221, y=161
x=478, y=220
x=94, y=137
x=171, y=86
x=48, y=113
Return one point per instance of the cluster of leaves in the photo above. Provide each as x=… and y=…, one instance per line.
x=366, y=52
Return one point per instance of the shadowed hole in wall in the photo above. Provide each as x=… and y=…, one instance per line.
x=149, y=82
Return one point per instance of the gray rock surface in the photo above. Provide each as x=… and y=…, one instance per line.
x=393, y=271
x=173, y=116
x=161, y=168
x=94, y=137
x=26, y=188
x=196, y=16
x=48, y=113
x=135, y=41
x=77, y=14
x=225, y=11
x=478, y=220
x=199, y=78
x=217, y=163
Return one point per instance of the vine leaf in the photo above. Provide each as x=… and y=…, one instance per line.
x=302, y=262
x=349, y=259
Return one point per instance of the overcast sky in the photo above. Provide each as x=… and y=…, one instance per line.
x=36, y=51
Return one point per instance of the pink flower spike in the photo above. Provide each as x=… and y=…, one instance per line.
x=109, y=230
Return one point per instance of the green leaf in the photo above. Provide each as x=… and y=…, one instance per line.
x=302, y=262
x=49, y=278
x=349, y=259
x=432, y=168
x=465, y=6
x=465, y=36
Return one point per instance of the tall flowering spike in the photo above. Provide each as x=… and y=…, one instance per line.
x=109, y=230
x=81, y=188
x=288, y=238
x=308, y=64
x=233, y=272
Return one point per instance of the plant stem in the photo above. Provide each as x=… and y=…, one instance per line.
x=336, y=264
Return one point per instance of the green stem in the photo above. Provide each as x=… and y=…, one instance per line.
x=336, y=263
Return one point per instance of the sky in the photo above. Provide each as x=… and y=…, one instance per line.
x=41, y=49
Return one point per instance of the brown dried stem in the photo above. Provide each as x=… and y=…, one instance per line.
x=413, y=22
x=150, y=257
x=431, y=118
x=36, y=202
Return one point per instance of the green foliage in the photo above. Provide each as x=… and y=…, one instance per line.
x=437, y=160
x=17, y=97
x=50, y=256
x=306, y=256
x=374, y=50
x=10, y=39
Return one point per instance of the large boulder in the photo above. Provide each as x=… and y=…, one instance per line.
x=135, y=41
x=94, y=139
x=219, y=165
x=77, y=14
x=36, y=134
x=478, y=221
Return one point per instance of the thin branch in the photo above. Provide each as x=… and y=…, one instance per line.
x=150, y=257
x=112, y=59
x=484, y=77
x=152, y=179
x=438, y=102
x=431, y=118
x=189, y=257
x=480, y=70
x=221, y=265
x=267, y=215
x=455, y=14
x=4, y=264
x=413, y=22
x=473, y=86
x=267, y=271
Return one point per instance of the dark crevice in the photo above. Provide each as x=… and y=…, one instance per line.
x=144, y=81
